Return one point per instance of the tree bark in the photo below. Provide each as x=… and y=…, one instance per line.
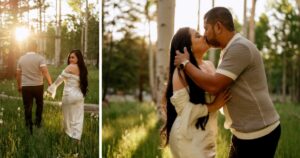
x=86, y=30
x=245, y=32
x=198, y=17
x=165, y=27
x=212, y=51
x=58, y=33
x=283, y=88
x=151, y=63
x=252, y=22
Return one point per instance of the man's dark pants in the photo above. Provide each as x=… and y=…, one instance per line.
x=264, y=147
x=29, y=93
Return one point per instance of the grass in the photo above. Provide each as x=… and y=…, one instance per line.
x=50, y=140
x=132, y=130
x=9, y=87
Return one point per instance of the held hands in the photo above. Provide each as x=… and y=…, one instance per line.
x=181, y=57
x=219, y=101
x=47, y=94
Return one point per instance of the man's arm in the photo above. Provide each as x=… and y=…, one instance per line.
x=46, y=74
x=18, y=77
x=210, y=83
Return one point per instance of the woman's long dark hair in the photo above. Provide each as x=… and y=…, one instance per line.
x=83, y=73
x=182, y=39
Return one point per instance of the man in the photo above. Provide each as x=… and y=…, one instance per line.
x=250, y=114
x=31, y=69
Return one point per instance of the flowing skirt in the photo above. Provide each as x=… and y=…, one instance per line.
x=73, y=115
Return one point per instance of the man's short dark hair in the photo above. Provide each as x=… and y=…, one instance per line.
x=222, y=15
x=31, y=45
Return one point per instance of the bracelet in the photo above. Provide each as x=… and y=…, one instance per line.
x=182, y=65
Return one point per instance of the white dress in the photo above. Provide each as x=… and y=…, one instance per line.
x=72, y=103
x=186, y=141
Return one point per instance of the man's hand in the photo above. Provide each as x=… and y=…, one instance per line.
x=180, y=57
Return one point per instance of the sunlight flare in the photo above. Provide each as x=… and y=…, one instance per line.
x=21, y=34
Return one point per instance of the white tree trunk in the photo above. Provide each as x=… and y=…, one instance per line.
x=151, y=63
x=252, y=22
x=298, y=4
x=198, y=17
x=283, y=88
x=58, y=33
x=86, y=30
x=165, y=27
x=245, y=32
x=212, y=51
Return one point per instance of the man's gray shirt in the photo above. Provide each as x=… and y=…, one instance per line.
x=30, y=66
x=251, y=108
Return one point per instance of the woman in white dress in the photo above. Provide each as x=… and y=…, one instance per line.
x=191, y=120
x=75, y=79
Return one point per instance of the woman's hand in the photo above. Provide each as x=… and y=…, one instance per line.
x=219, y=101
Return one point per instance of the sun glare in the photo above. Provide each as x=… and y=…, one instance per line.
x=21, y=33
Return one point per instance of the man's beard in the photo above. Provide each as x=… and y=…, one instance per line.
x=213, y=42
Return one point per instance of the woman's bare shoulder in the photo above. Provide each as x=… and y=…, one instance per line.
x=178, y=81
x=72, y=68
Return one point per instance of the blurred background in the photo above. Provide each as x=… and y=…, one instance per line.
x=136, y=35
x=58, y=27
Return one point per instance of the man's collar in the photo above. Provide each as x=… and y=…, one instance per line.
x=237, y=35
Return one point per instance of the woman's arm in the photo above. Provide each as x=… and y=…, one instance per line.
x=52, y=88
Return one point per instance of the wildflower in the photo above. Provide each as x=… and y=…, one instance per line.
x=75, y=155
x=2, y=109
x=1, y=121
x=19, y=108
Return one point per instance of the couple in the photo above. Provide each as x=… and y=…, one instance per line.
x=31, y=69
x=191, y=123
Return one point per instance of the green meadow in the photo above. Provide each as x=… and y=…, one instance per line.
x=50, y=141
x=132, y=130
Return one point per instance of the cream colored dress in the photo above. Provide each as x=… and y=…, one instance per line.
x=72, y=103
x=186, y=141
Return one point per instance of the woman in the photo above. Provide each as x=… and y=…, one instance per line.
x=191, y=122
x=75, y=78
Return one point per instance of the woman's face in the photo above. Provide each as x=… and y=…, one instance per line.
x=73, y=58
x=199, y=44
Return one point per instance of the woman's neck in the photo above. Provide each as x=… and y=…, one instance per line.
x=199, y=58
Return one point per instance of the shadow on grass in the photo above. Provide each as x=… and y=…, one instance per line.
x=150, y=146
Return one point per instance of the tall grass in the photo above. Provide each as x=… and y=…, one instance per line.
x=48, y=141
x=126, y=123
x=9, y=87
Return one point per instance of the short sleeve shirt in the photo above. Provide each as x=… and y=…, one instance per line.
x=250, y=108
x=30, y=66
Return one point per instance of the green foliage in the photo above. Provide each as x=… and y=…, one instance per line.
x=48, y=141
x=279, y=44
x=123, y=124
x=261, y=28
x=71, y=30
x=124, y=64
